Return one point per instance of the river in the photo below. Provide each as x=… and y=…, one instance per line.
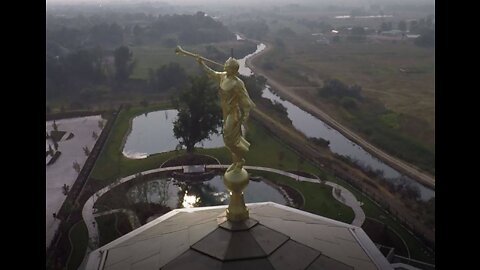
x=311, y=126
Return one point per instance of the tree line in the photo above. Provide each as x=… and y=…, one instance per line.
x=84, y=32
x=88, y=57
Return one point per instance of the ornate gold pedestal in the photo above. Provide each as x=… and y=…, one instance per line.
x=236, y=181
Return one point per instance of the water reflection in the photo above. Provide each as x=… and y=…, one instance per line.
x=156, y=191
x=190, y=201
x=315, y=128
x=153, y=133
x=243, y=69
x=181, y=194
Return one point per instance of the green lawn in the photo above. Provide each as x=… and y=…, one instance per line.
x=111, y=165
x=156, y=56
x=417, y=249
x=378, y=69
x=79, y=238
x=318, y=197
x=112, y=227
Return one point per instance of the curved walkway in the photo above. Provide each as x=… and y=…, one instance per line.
x=88, y=214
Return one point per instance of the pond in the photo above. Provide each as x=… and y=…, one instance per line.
x=181, y=194
x=153, y=133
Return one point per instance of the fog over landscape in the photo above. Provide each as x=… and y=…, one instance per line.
x=331, y=109
x=251, y=2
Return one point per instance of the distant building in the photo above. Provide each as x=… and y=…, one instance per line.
x=412, y=36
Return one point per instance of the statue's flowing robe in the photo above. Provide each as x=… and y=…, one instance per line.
x=235, y=103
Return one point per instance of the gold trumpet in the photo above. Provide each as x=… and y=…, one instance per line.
x=179, y=50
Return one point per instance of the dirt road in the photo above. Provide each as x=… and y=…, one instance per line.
x=400, y=165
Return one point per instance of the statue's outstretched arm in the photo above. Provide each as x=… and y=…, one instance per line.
x=210, y=72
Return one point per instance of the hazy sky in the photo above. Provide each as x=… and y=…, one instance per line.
x=189, y=2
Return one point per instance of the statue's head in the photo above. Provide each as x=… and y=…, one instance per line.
x=231, y=66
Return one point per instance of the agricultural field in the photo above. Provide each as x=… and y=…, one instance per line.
x=397, y=82
x=151, y=56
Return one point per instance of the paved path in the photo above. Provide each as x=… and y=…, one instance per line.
x=347, y=198
x=62, y=172
x=398, y=164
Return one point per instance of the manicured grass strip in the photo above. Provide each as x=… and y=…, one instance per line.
x=417, y=250
x=78, y=236
x=112, y=165
x=112, y=226
x=318, y=197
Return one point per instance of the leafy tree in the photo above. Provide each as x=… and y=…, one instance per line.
x=106, y=34
x=214, y=53
x=93, y=93
x=386, y=26
x=319, y=141
x=336, y=88
x=287, y=32
x=167, y=76
x=358, y=33
x=199, y=115
x=279, y=42
x=255, y=85
x=123, y=63
x=74, y=71
x=66, y=189
x=76, y=167
x=253, y=29
x=138, y=33
x=348, y=103
x=414, y=27
x=170, y=42
x=402, y=25
x=86, y=151
x=50, y=150
x=426, y=39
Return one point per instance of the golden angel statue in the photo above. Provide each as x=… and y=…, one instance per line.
x=236, y=106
